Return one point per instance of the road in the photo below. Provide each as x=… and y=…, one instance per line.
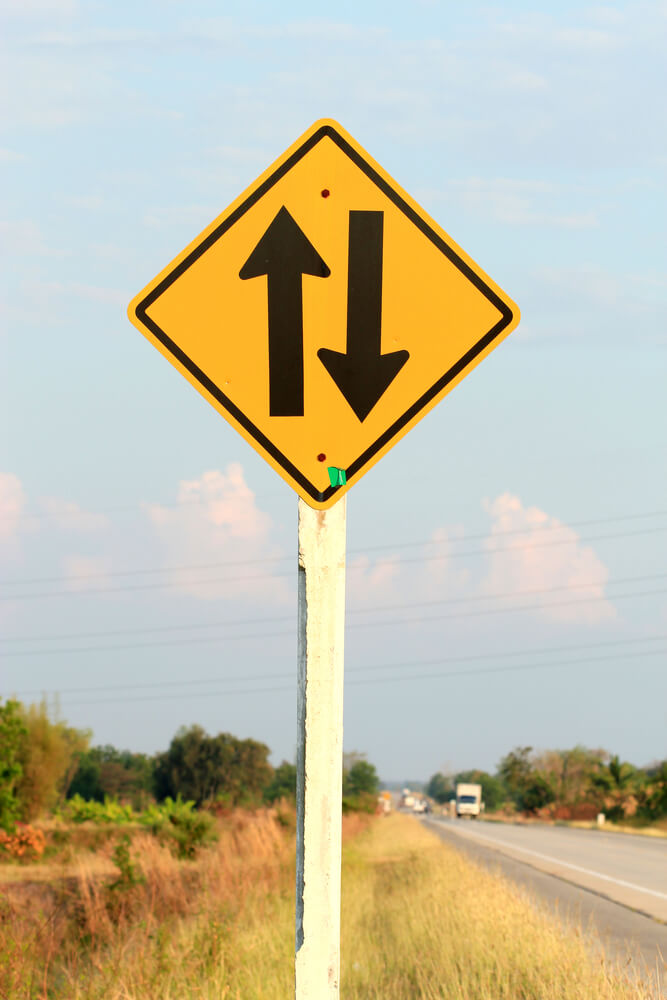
x=616, y=881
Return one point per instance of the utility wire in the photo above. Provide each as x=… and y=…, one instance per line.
x=471, y=658
x=202, y=502
x=285, y=618
x=274, y=576
x=374, y=624
x=370, y=680
x=22, y=581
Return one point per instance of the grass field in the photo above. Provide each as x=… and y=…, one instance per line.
x=419, y=921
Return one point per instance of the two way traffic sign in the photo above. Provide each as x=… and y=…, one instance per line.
x=323, y=313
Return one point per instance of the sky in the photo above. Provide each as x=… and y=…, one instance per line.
x=506, y=578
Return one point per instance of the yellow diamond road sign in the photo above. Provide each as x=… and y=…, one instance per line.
x=323, y=313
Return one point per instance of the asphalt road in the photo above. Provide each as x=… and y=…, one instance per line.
x=616, y=882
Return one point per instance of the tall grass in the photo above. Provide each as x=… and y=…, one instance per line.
x=422, y=921
x=419, y=921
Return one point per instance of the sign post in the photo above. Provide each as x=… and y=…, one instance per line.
x=319, y=751
x=323, y=314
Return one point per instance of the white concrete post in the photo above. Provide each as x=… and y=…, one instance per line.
x=319, y=750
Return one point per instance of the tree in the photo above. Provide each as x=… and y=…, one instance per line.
x=570, y=773
x=361, y=779
x=653, y=797
x=282, y=784
x=535, y=793
x=514, y=770
x=105, y=771
x=615, y=783
x=49, y=758
x=440, y=788
x=203, y=768
x=13, y=734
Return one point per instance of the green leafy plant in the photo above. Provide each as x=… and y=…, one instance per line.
x=78, y=810
x=180, y=825
x=128, y=875
x=13, y=735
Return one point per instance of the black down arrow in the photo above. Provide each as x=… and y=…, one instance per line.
x=284, y=254
x=363, y=373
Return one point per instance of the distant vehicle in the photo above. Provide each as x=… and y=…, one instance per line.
x=420, y=806
x=407, y=799
x=469, y=800
x=384, y=803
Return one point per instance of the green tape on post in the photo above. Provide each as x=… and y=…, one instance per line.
x=337, y=477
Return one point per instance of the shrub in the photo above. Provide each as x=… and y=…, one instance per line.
x=13, y=735
x=180, y=825
x=128, y=876
x=24, y=844
x=282, y=784
x=365, y=802
x=78, y=810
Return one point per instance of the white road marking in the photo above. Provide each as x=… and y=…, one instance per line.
x=565, y=864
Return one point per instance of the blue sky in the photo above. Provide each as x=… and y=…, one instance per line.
x=535, y=135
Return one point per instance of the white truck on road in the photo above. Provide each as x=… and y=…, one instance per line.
x=468, y=800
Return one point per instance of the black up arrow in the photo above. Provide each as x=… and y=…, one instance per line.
x=363, y=374
x=284, y=255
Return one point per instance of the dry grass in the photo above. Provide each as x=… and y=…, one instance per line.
x=419, y=921
x=424, y=922
x=658, y=829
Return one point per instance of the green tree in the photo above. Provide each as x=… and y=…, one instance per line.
x=13, y=735
x=203, y=768
x=440, y=788
x=49, y=758
x=282, y=784
x=515, y=769
x=361, y=779
x=615, y=782
x=535, y=793
x=570, y=773
x=106, y=771
x=653, y=796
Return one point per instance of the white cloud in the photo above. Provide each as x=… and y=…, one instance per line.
x=67, y=516
x=22, y=236
x=588, y=301
x=371, y=580
x=81, y=573
x=562, y=582
x=11, y=156
x=12, y=504
x=217, y=521
x=517, y=202
x=389, y=578
x=38, y=8
x=53, y=519
x=529, y=564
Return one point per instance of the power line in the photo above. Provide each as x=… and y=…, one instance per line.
x=471, y=658
x=274, y=576
x=369, y=548
x=354, y=611
x=371, y=680
x=501, y=611
x=195, y=503
x=290, y=632
x=126, y=508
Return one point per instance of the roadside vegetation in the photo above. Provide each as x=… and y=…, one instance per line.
x=134, y=877
x=51, y=779
x=419, y=922
x=564, y=785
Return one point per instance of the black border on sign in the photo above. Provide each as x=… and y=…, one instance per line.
x=232, y=218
